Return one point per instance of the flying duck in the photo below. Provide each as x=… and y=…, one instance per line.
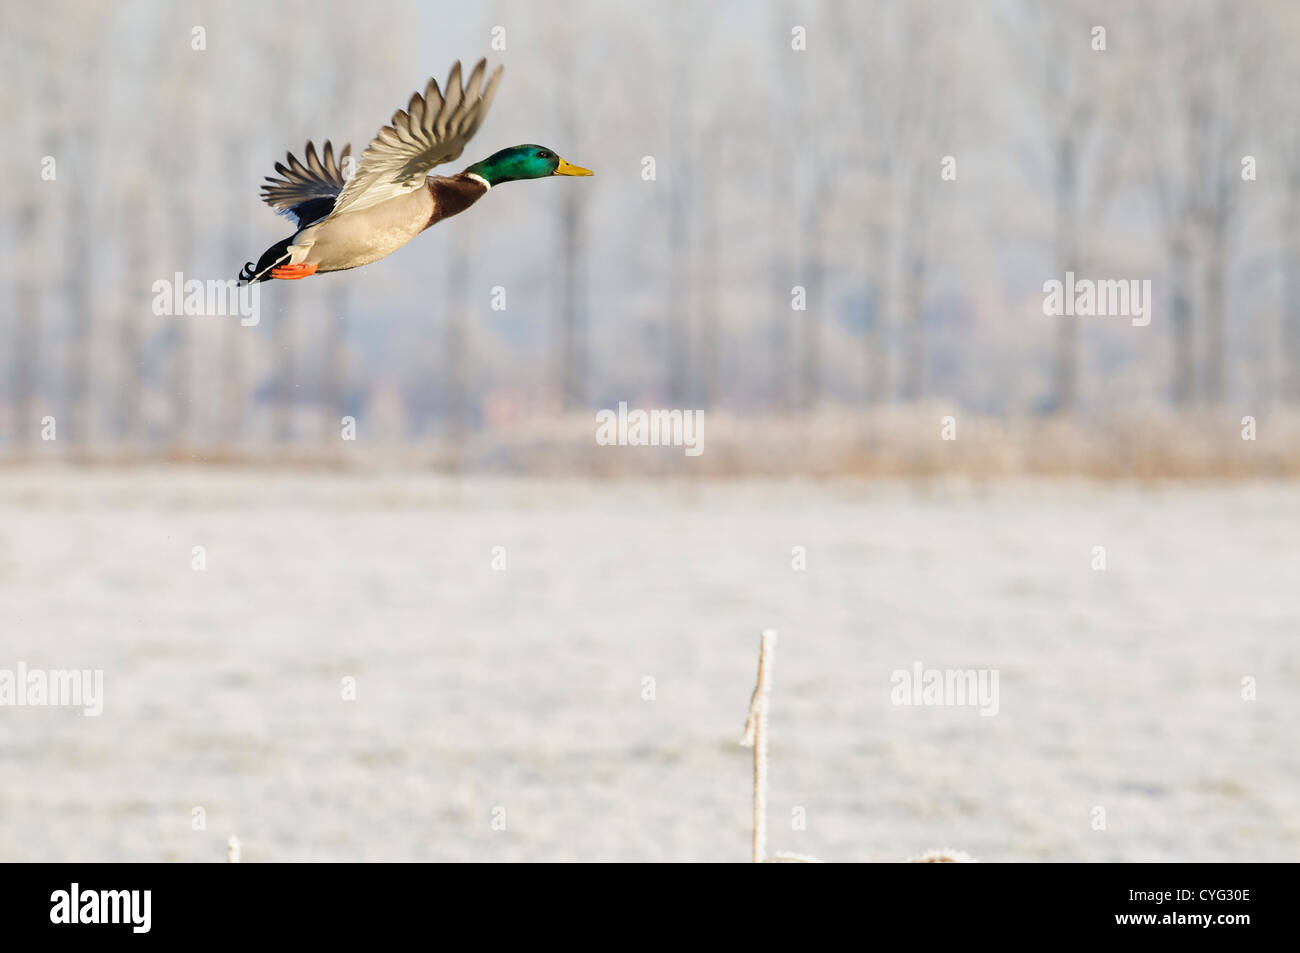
x=390, y=197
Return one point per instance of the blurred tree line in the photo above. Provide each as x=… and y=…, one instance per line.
x=796, y=205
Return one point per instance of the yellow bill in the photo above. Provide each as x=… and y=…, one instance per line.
x=568, y=168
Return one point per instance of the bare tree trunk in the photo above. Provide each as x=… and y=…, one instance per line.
x=572, y=369
x=184, y=207
x=814, y=270
x=82, y=252
x=913, y=383
x=180, y=331
x=81, y=328
x=131, y=359
x=876, y=335
x=679, y=278
x=1067, y=328
x=811, y=268
x=179, y=344
x=457, y=354
x=1215, y=303
x=1290, y=337
x=913, y=290
x=782, y=315
x=1180, y=322
x=1067, y=364
x=680, y=178
x=709, y=262
x=27, y=323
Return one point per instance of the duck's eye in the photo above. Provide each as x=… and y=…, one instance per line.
x=545, y=155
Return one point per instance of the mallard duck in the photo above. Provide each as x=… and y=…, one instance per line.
x=390, y=197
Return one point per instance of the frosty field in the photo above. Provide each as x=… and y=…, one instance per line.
x=481, y=688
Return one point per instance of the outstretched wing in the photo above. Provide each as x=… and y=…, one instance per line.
x=431, y=130
x=307, y=191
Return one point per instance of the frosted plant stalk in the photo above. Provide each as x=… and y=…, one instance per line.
x=756, y=738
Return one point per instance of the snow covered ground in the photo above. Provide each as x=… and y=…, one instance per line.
x=517, y=694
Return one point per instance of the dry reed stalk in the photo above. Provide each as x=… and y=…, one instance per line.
x=756, y=738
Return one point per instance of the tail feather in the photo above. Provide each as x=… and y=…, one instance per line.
x=277, y=254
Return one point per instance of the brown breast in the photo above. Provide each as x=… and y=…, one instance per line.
x=453, y=194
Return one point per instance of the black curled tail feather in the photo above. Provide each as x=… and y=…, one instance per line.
x=277, y=254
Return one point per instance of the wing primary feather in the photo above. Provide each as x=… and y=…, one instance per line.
x=313, y=163
x=489, y=92
x=432, y=95
x=474, y=88
x=450, y=100
x=431, y=130
x=307, y=190
x=454, y=93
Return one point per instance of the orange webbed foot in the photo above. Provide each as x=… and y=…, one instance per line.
x=293, y=272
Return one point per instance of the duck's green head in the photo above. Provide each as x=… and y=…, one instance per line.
x=523, y=162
